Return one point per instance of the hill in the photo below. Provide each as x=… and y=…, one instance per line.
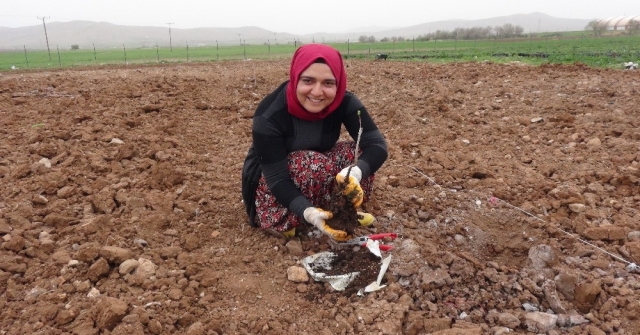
x=88, y=34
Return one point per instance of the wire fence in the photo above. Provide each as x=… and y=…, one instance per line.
x=594, y=51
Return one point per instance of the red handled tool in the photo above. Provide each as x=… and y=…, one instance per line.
x=362, y=240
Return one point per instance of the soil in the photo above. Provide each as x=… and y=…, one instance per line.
x=345, y=215
x=515, y=191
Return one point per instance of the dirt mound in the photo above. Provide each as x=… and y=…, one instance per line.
x=120, y=205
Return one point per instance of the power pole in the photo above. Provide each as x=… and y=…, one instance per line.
x=170, y=45
x=45, y=35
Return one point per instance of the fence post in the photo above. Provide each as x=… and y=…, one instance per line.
x=217, y=53
x=59, y=62
x=94, y=53
x=125, y=54
x=25, y=55
x=187, y=51
x=157, y=53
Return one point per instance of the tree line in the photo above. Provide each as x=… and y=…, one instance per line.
x=507, y=30
x=598, y=27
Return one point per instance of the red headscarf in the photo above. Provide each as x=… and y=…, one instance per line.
x=302, y=59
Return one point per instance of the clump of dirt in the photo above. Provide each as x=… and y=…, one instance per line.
x=345, y=215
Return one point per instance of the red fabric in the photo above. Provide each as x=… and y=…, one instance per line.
x=302, y=59
x=314, y=173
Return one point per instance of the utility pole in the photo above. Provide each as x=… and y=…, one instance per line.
x=240, y=37
x=45, y=35
x=170, y=45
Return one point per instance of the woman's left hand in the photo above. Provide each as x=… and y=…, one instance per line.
x=352, y=189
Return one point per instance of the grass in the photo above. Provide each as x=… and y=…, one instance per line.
x=608, y=51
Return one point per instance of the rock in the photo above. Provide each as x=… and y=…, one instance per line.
x=128, y=266
x=508, y=320
x=93, y=293
x=586, y=295
x=565, y=320
x=500, y=330
x=82, y=286
x=87, y=252
x=39, y=199
x=197, y=328
x=542, y=256
x=61, y=257
x=66, y=316
x=550, y=294
x=155, y=327
x=66, y=192
x=297, y=274
x=295, y=247
x=593, y=330
x=594, y=142
x=210, y=277
x=146, y=268
x=577, y=208
x=15, y=243
x=634, y=235
x=175, y=294
x=437, y=278
x=566, y=281
x=540, y=322
x=110, y=312
x=115, y=254
x=98, y=269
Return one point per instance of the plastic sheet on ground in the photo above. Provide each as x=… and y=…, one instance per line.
x=340, y=282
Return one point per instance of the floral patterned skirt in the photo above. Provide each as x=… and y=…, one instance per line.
x=314, y=174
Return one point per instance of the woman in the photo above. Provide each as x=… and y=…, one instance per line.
x=295, y=159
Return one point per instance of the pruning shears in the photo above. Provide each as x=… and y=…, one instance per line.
x=362, y=240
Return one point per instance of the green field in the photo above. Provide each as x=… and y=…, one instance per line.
x=606, y=51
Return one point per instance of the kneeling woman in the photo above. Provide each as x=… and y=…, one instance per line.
x=295, y=159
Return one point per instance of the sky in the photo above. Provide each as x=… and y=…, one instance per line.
x=297, y=16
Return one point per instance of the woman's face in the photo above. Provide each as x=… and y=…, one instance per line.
x=316, y=88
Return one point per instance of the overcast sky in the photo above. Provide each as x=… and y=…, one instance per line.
x=297, y=16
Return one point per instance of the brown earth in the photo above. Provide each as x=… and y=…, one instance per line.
x=514, y=188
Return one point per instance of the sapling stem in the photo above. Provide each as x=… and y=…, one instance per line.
x=355, y=153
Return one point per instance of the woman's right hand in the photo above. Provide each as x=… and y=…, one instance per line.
x=318, y=218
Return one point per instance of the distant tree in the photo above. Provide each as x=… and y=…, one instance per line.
x=75, y=47
x=596, y=26
x=633, y=27
x=362, y=39
x=385, y=39
x=371, y=39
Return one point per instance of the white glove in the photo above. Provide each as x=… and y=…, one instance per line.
x=317, y=217
x=355, y=172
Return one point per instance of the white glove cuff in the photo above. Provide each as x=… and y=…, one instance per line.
x=355, y=172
